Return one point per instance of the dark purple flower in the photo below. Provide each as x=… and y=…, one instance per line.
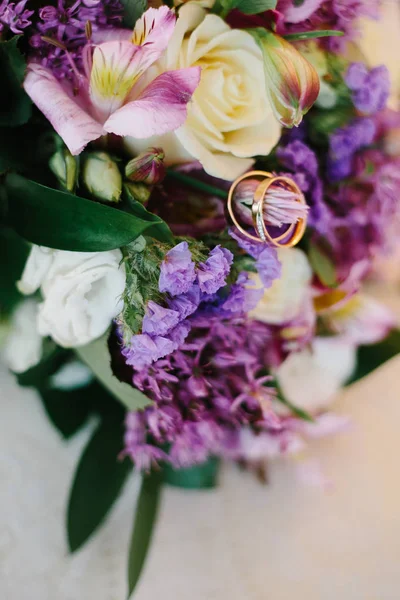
x=177, y=270
x=212, y=274
x=14, y=17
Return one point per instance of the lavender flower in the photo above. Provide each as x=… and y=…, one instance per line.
x=212, y=273
x=66, y=25
x=159, y=320
x=14, y=17
x=177, y=270
x=344, y=144
x=371, y=88
x=267, y=263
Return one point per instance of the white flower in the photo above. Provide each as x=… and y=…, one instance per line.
x=311, y=378
x=81, y=292
x=230, y=118
x=23, y=347
x=284, y=300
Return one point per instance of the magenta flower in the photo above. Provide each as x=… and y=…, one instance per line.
x=14, y=16
x=109, y=96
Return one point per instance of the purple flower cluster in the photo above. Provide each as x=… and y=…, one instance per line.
x=66, y=25
x=266, y=257
x=371, y=88
x=345, y=143
x=342, y=15
x=204, y=393
x=165, y=328
x=299, y=158
x=14, y=16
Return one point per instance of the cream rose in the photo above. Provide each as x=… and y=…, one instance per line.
x=230, y=118
x=81, y=292
x=284, y=300
x=310, y=379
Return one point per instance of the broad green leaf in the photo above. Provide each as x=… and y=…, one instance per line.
x=195, y=478
x=309, y=35
x=137, y=209
x=15, y=104
x=144, y=521
x=96, y=355
x=373, y=356
x=323, y=266
x=13, y=251
x=133, y=9
x=248, y=7
x=68, y=410
x=97, y=483
x=57, y=219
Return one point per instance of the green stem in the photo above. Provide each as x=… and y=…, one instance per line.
x=198, y=185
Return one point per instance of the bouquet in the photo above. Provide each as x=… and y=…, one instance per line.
x=192, y=198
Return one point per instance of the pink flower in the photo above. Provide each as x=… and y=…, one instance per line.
x=110, y=97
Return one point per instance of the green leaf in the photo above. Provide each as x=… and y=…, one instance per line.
x=15, y=104
x=14, y=252
x=97, y=483
x=323, y=266
x=68, y=410
x=97, y=357
x=145, y=518
x=133, y=9
x=195, y=478
x=309, y=35
x=159, y=230
x=248, y=7
x=57, y=219
x=373, y=356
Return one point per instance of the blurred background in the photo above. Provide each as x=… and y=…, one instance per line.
x=281, y=541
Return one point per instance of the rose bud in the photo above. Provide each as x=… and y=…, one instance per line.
x=281, y=205
x=102, y=177
x=292, y=82
x=148, y=167
x=64, y=167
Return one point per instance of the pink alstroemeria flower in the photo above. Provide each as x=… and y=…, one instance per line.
x=109, y=96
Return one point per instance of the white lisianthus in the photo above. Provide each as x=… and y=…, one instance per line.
x=284, y=300
x=230, y=118
x=23, y=346
x=81, y=292
x=311, y=378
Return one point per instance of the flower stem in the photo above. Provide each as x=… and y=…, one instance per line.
x=197, y=184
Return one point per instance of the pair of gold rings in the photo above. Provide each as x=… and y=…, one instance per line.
x=294, y=232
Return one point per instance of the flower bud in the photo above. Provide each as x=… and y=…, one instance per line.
x=148, y=167
x=291, y=80
x=281, y=205
x=65, y=168
x=102, y=177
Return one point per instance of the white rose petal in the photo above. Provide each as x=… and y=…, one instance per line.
x=81, y=293
x=284, y=300
x=230, y=119
x=23, y=347
x=310, y=379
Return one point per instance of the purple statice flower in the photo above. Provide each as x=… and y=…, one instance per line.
x=186, y=304
x=65, y=23
x=302, y=161
x=205, y=392
x=243, y=297
x=177, y=270
x=371, y=88
x=345, y=143
x=267, y=263
x=159, y=320
x=14, y=16
x=212, y=273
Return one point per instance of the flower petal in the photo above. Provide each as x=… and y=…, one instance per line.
x=76, y=127
x=160, y=108
x=114, y=72
x=152, y=33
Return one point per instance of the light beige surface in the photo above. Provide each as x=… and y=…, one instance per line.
x=243, y=540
